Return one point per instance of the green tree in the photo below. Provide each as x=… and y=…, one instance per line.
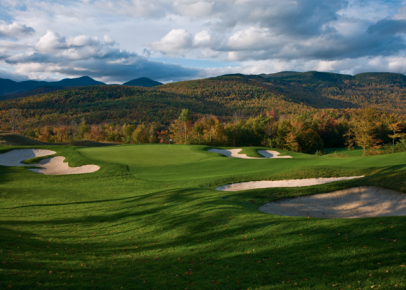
x=198, y=129
x=309, y=141
x=83, y=129
x=364, y=134
x=140, y=134
x=14, y=117
x=396, y=128
x=185, y=117
x=127, y=131
x=209, y=122
x=291, y=143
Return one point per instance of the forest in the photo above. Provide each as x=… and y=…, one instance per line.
x=232, y=110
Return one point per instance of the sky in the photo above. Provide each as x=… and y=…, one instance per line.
x=173, y=40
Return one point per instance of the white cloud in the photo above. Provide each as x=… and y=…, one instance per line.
x=108, y=40
x=250, y=39
x=15, y=30
x=176, y=42
x=202, y=39
x=51, y=41
x=193, y=8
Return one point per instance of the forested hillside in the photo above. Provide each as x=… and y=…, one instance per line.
x=255, y=92
x=135, y=105
x=296, y=111
x=386, y=91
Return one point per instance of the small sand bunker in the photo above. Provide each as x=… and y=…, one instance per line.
x=234, y=154
x=281, y=183
x=50, y=166
x=357, y=202
x=14, y=158
x=56, y=166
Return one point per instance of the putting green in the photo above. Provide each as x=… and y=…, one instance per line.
x=159, y=162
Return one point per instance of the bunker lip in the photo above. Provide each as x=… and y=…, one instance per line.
x=356, y=202
x=49, y=166
x=282, y=183
x=233, y=153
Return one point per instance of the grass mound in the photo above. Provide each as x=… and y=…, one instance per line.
x=12, y=139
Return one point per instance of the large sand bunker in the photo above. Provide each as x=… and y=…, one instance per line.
x=357, y=202
x=234, y=154
x=281, y=183
x=50, y=166
x=14, y=158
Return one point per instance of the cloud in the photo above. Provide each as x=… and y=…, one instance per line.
x=176, y=42
x=193, y=8
x=84, y=55
x=202, y=39
x=52, y=41
x=15, y=30
x=261, y=36
x=108, y=40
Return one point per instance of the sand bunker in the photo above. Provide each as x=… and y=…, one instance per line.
x=14, y=158
x=234, y=154
x=281, y=183
x=56, y=166
x=50, y=166
x=358, y=202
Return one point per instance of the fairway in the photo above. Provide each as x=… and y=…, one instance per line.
x=151, y=218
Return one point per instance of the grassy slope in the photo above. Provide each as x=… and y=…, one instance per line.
x=151, y=220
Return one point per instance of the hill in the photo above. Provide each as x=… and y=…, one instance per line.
x=254, y=94
x=12, y=139
x=100, y=104
x=386, y=91
x=142, y=82
x=8, y=87
x=34, y=92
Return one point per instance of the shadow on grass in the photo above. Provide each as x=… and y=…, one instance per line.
x=208, y=249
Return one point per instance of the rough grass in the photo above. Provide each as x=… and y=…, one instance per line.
x=357, y=152
x=151, y=220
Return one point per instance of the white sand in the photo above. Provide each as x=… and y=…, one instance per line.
x=281, y=183
x=234, y=154
x=357, y=202
x=50, y=166
x=56, y=166
x=14, y=157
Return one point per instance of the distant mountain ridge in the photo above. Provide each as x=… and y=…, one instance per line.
x=320, y=77
x=143, y=82
x=8, y=87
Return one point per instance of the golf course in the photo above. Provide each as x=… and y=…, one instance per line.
x=151, y=218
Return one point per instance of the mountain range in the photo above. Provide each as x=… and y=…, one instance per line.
x=289, y=92
x=11, y=90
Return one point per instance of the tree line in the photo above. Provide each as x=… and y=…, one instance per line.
x=309, y=132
